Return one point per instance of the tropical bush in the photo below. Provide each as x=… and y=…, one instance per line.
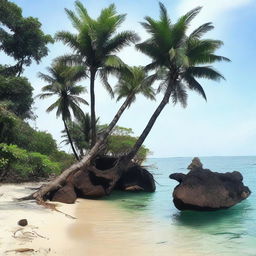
x=24, y=165
x=17, y=91
x=121, y=144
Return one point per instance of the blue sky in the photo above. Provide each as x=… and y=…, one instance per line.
x=225, y=125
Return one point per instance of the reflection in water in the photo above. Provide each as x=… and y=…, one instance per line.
x=132, y=201
x=200, y=219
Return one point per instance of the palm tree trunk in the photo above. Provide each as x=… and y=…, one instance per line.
x=150, y=124
x=93, y=115
x=60, y=180
x=117, y=117
x=70, y=140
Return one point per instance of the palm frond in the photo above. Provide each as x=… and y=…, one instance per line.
x=104, y=78
x=53, y=106
x=76, y=22
x=119, y=41
x=179, y=95
x=194, y=85
x=70, y=60
x=44, y=95
x=78, y=100
x=45, y=77
x=201, y=30
x=205, y=72
x=163, y=14
x=189, y=16
x=68, y=39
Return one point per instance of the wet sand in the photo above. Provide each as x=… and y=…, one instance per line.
x=100, y=228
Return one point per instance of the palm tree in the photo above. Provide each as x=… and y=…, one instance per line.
x=62, y=83
x=130, y=83
x=94, y=46
x=178, y=59
x=80, y=130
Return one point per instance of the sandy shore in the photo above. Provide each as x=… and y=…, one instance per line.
x=100, y=228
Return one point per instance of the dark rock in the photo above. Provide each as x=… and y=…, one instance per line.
x=202, y=189
x=136, y=179
x=101, y=177
x=66, y=194
x=87, y=185
x=23, y=222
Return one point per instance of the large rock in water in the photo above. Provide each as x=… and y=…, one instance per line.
x=204, y=190
x=136, y=179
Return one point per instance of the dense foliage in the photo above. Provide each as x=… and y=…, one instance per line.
x=31, y=147
x=178, y=60
x=21, y=38
x=24, y=165
x=119, y=142
x=16, y=93
x=122, y=144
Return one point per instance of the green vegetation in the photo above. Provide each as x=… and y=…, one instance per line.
x=21, y=38
x=25, y=153
x=62, y=83
x=121, y=141
x=177, y=61
x=21, y=165
x=95, y=46
x=16, y=94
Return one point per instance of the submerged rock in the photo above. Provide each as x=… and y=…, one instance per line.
x=136, y=179
x=204, y=190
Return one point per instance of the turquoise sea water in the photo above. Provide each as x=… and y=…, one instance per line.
x=226, y=232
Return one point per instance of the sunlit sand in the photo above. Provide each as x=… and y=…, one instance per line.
x=100, y=228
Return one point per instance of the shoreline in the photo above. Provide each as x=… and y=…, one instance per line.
x=101, y=228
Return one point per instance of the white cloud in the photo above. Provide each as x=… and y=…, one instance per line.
x=213, y=10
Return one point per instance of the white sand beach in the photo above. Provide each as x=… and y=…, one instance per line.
x=100, y=228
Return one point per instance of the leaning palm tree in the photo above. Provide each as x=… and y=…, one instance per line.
x=94, y=46
x=130, y=83
x=178, y=59
x=62, y=83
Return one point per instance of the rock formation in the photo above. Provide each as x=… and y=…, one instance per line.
x=101, y=178
x=204, y=190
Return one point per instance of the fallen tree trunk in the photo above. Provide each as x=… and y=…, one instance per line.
x=61, y=179
x=86, y=160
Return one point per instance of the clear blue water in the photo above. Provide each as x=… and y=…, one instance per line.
x=225, y=232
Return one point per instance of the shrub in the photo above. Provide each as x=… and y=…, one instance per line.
x=25, y=165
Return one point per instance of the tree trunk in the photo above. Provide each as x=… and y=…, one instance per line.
x=93, y=115
x=20, y=65
x=150, y=124
x=70, y=140
x=86, y=160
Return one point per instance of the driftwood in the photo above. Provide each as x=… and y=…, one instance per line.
x=21, y=250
